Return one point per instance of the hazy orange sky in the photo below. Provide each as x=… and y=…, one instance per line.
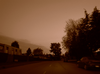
x=40, y=22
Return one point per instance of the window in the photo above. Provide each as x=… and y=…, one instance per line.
x=1, y=47
x=16, y=50
x=12, y=49
x=20, y=51
x=7, y=48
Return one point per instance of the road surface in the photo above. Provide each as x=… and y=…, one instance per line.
x=47, y=67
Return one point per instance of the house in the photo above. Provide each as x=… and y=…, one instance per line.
x=9, y=49
x=9, y=53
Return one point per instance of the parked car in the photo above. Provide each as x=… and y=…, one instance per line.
x=65, y=59
x=88, y=63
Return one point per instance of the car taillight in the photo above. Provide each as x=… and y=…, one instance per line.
x=78, y=61
x=90, y=63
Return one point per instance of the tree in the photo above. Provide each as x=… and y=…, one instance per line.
x=83, y=36
x=70, y=39
x=55, y=48
x=38, y=52
x=29, y=51
x=95, y=32
x=15, y=44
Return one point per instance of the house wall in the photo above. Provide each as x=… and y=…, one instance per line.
x=8, y=52
x=1, y=48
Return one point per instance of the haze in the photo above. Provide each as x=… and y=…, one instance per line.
x=40, y=22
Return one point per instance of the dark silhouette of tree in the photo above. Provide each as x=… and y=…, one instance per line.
x=94, y=34
x=70, y=39
x=29, y=51
x=15, y=44
x=38, y=52
x=55, y=48
x=83, y=36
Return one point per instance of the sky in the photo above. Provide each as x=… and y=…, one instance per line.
x=41, y=22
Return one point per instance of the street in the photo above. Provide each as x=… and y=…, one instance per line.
x=47, y=67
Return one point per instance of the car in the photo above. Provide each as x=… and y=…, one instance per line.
x=65, y=60
x=88, y=63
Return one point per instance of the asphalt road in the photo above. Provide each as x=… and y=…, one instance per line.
x=47, y=67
